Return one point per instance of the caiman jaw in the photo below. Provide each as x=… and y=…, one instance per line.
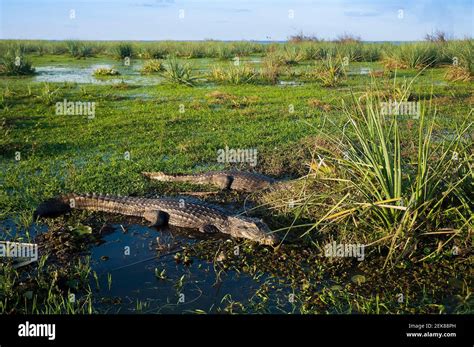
x=251, y=228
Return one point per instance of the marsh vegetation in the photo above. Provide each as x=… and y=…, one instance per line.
x=399, y=183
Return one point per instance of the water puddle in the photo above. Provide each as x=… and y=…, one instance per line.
x=85, y=75
x=12, y=230
x=289, y=83
x=140, y=265
x=140, y=96
x=360, y=71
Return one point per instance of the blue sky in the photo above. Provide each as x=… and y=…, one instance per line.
x=374, y=20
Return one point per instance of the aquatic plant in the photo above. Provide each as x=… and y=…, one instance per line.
x=411, y=56
x=79, y=49
x=152, y=66
x=270, y=71
x=176, y=72
x=14, y=63
x=123, y=50
x=105, y=71
x=330, y=72
x=399, y=199
x=461, y=58
x=233, y=74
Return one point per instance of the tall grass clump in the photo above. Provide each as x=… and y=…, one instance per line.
x=233, y=74
x=48, y=94
x=123, y=50
x=308, y=50
x=14, y=63
x=196, y=50
x=400, y=200
x=461, y=57
x=325, y=50
x=411, y=56
x=330, y=72
x=79, y=50
x=290, y=55
x=357, y=51
x=179, y=73
x=224, y=52
x=152, y=66
x=270, y=71
x=155, y=52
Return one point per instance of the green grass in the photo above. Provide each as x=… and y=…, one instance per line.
x=420, y=53
x=45, y=292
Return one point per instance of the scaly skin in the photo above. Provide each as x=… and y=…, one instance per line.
x=235, y=180
x=179, y=212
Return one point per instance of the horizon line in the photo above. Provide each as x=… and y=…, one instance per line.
x=217, y=40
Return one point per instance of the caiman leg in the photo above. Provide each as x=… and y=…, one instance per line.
x=156, y=218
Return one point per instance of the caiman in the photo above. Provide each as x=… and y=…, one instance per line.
x=231, y=180
x=179, y=212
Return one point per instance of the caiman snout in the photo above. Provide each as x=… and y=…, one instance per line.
x=252, y=228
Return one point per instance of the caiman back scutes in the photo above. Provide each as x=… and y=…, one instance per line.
x=182, y=213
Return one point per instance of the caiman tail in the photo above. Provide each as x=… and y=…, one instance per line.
x=220, y=179
x=91, y=202
x=232, y=180
x=161, y=176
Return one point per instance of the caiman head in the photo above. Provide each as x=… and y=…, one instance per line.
x=251, y=228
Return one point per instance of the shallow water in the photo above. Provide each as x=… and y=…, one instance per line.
x=289, y=83
x=131, y=255
x=360, y=71
x=11, y=229
x=200, y=285
x=84, y=75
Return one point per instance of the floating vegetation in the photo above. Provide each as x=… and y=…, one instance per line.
x=105, y=71
x=152, y=66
